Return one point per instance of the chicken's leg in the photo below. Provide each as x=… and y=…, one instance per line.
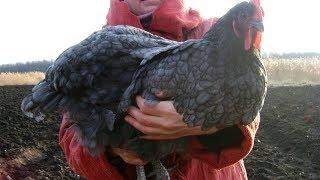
x=161, y=171
x=141, y=175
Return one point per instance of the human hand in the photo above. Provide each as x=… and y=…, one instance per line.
x=129, y=156
x=161, y=122
x=142, y=7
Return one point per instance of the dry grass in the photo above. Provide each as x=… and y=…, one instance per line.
x=20, y=78
x=280, y=72
x=293, y=71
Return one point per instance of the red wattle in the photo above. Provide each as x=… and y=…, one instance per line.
x=257, y=40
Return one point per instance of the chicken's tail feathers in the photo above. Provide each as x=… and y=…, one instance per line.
x=28, y=107
x=43, y=99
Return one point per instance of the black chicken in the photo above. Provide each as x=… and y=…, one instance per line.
x=216, y=81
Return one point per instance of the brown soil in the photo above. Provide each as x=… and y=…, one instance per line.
x=288, y=141
x=286, y=145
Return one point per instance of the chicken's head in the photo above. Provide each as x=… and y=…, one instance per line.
x=247, y=23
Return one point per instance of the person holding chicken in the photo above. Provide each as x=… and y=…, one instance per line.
x=214, y=154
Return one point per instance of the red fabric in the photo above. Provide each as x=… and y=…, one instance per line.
x=171, y=20
x=198, y=164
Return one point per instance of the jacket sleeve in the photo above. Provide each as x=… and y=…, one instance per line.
x=226, y=146
x=79, y=159
x=201, y=29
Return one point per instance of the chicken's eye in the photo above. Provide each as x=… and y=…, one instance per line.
x=243, y=15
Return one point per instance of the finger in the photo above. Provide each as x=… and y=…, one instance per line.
x=161, y=109
x=117, y=151
x=128, y=156
x=134, y=161
x=142, y=128
x=144, y=119
x=137, y=161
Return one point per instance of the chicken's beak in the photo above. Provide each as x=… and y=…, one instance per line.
x=253, y=35
x=258, y=25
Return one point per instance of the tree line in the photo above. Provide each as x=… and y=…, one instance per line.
x=40, y=66
x=293, y=55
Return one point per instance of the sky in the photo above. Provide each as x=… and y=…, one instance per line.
x=35, y=30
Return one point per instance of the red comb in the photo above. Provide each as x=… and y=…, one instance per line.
x=259, y=12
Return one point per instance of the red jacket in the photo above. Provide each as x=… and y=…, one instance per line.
x=171, y=20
